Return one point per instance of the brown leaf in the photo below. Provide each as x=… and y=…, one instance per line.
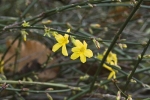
x=32, y=54
x=120, y=14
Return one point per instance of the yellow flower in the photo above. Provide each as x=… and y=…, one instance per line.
x=129, y=97
x=112, y=60
x=46, y=22
x=96, y=43
x=81, y=51
x=25, y=24
x=46, y=31
x=24, y=34
x=62, y=41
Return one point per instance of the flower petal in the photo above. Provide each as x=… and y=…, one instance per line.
x=100, y=56
x=75, y=49
x=66, y=38
x=112, y=75
x=82, y=58
x=78, y=43
x=68, y=30
x=59, y=38
x=64, y=50
x=56, y=47
x=107, y=67
x=88, y=53
x=75, y=56
x=85, y=44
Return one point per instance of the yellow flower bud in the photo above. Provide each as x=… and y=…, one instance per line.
x=90, y=5
x=96, y=43
x=129, y=97
x=118, y=95
x=24, y=34
x=122, y=46
x=46, y=31
x=46, y=22
x=73, y=40
x=49, y=96
x=95, y=25
x=25, y=24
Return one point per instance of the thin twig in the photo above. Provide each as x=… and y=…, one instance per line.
x=137, y=64
x=114, y=42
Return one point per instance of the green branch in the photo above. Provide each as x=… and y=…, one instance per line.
x=137, y=64
x=114, y=42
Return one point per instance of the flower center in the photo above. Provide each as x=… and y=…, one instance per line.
x=82, y=49
x=65, y=41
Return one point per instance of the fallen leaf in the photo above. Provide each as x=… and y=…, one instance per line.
x=32, y=54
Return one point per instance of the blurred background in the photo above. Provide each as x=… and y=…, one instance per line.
x=33, y=60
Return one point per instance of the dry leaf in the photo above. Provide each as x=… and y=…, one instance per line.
x=120, y=14
x=32, y=54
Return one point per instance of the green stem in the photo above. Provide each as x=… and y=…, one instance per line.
x=114, y=42
x=135, y=67
x=19, y=95
x=79, y=94
x=115, y=83
x=2, y=58
x=17, y=55
x=56, y=10
x=80, y=36
x=37, y=83
x=28, y=8
x=36, y=91
x=125, y=75
x=123, y=72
